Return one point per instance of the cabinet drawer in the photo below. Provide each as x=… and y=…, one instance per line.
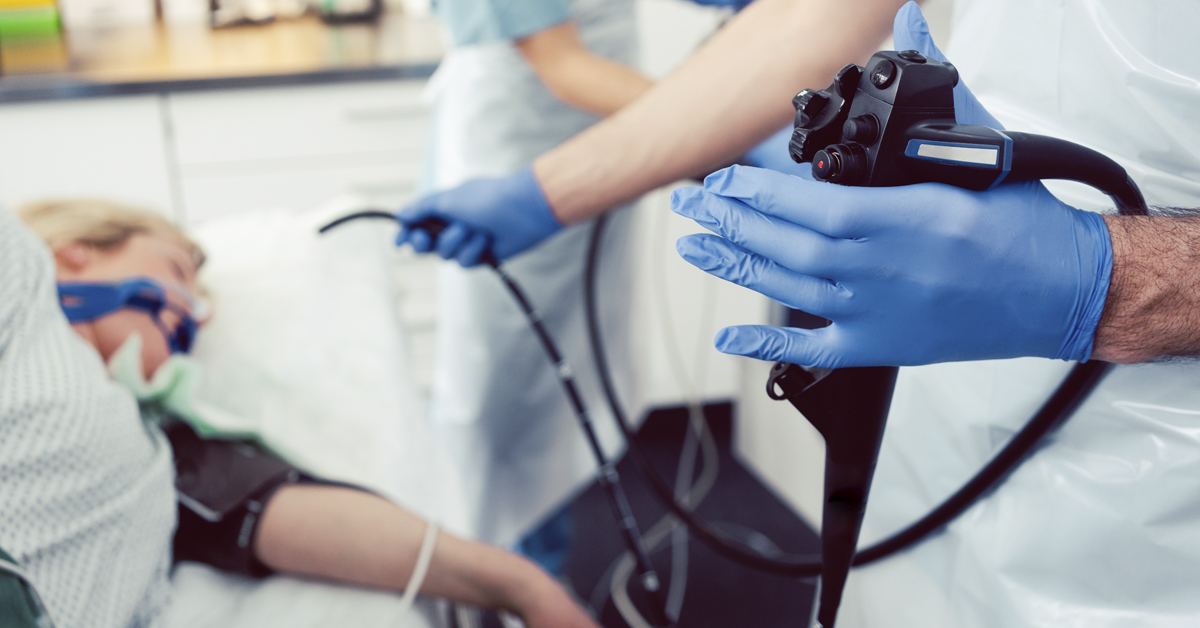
x=381, y=118
x=105, y=147
x=385, y=184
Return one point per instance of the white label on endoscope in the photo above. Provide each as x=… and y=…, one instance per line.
x=961, y=154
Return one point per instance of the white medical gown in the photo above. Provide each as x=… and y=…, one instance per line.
x=1101, y=526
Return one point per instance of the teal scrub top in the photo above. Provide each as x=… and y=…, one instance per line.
x=473, y=22
x=18, y=606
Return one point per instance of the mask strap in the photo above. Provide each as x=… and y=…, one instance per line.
x=84, y=302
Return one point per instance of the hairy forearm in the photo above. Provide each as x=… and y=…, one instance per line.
x=1153, y=306
x=733, y=93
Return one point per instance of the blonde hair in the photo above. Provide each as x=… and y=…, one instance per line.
x=102, y=224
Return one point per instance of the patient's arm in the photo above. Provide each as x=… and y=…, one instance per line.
x=576, y=75
x=359, y=538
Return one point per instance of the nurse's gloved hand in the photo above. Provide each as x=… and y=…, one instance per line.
x=506, y=215
x=908, y=275
x=736, y=4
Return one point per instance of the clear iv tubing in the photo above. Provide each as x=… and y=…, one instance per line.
x=607, y=476
x=697, y=435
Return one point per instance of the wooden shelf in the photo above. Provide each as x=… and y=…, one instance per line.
x=197, y=53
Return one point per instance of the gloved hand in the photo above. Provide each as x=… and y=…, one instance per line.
x=908, y=275
x=736, y=4
x=910, y=31
x=507, y=215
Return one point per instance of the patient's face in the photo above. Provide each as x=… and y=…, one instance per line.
x=143, y=255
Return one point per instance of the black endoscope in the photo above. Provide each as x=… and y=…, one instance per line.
x=894, y=124
x=888, y=125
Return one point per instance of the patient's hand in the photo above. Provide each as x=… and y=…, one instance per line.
x=545, y=604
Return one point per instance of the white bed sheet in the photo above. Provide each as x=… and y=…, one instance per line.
x=206, y=598
x=306, y=350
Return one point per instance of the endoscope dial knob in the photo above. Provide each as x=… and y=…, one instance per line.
x=809, y=104
x=797, y=143
x=846, y=80
x=842, y=163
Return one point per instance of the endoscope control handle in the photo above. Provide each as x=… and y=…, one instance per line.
x=967, y=156
x=434, y=226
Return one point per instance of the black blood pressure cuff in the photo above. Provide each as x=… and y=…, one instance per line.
x=223, y=486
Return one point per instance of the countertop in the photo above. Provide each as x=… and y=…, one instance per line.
x=163, y=59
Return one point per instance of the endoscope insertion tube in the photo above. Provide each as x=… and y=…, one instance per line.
x=606, y=476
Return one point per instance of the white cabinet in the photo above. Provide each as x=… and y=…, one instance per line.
x=297, y=146
x=383, y=183
x=106, y=147
x=247, y=126
x=197, y=155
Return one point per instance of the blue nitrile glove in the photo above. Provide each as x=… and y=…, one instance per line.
x=736, y=4
x=908, y=275
x=911, y=32
x=773, y=153
x=506, y=214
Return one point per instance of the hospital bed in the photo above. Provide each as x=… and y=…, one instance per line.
x=306, y=350
x=322, y=346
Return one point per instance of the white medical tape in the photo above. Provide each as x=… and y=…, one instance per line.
x=424, y=558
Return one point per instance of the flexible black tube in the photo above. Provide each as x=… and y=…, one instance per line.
x=369, y=213
x=1078, y=384
x=804, y=566
x=607, y=477
x=1043, y=157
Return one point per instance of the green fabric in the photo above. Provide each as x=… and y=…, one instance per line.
x=170, y=391
x=18, y=609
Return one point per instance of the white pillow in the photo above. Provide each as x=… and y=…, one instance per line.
x=305, y=349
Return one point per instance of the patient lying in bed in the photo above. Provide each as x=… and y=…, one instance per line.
x=98, y=540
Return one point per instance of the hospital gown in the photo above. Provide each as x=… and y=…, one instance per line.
x=87, y=502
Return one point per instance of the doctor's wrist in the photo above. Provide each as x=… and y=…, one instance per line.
x=1153, y=304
